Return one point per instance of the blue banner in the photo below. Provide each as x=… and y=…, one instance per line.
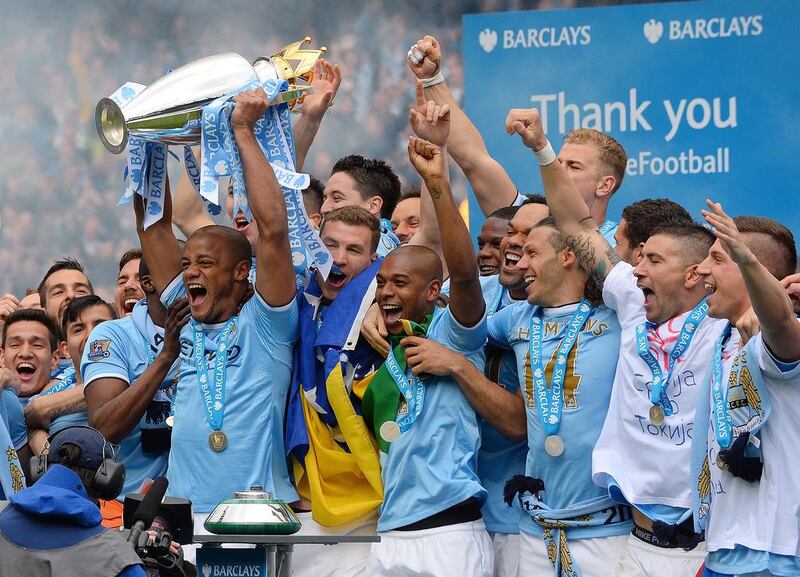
x=702, y=95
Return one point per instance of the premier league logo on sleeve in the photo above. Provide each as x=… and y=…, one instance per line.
x=98, y=350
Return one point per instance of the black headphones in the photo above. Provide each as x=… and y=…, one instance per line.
x=108, y=479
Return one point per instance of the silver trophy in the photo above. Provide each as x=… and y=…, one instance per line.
x=168, y=110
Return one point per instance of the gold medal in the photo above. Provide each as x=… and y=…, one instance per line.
x=390, y=431
x=554, y=445
x=656, y=415
x=217, y=440
x=721, y=463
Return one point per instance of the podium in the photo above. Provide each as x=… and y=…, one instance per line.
x=278, y=549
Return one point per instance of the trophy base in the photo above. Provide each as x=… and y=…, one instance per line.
x=111, y=127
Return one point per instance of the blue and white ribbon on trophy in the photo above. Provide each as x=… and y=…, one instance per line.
x=146, y=169
x=220, y=157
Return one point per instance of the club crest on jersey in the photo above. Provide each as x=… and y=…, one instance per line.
x=98, y=350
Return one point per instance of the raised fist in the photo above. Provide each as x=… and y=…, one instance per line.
x=250, y=107
x=425, y=57
x=427, y=158
x=527, y=123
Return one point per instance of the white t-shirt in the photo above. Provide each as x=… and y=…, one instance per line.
x=650, y=463
x=762, y=516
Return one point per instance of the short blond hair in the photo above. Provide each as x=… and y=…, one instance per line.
x=613, y=158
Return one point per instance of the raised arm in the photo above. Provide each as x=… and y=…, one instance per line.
x=188, y=213
x=492, y=186
x=275, y=280
x=159, y=246
x=466, y=298
x=565, y=202
x=327, y=79
x=771, y=304
x=430, y=122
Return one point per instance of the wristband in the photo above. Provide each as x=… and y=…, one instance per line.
x=546, y=155
x=438, y=79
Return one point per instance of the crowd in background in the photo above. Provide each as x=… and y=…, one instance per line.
x=59, y=186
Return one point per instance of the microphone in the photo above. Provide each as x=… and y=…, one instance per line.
x=147, y=510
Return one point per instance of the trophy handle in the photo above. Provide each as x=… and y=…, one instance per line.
x=111, y=125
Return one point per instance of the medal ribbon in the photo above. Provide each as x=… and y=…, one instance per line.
x=719, y=394
x=549, y=398
x=411, y=388
x=63, y=384
x=607, y=226
x=658, y=391
x=214, y=400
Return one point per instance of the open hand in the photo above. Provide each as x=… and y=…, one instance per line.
x=327, y=78
x=430, y=121
x=725, y=230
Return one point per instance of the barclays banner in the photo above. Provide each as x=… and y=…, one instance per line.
x=704, y=96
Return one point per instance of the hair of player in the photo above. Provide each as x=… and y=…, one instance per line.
x=356, y=216
x=312, y=196
x=556, y=240
x=69, y=455
x=778, y=251
x=642, y=217
x=504, y=213
x=613, y=158
x=423, y=259
x=77, y=306
x=534, y=199
x=66, y=263
x=372, y=177
x=236, y=245
x=409, y=191
x=694, y=239
x=38, y=316
x=128, y=256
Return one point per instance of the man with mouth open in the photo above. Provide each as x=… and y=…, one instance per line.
x=28, y=355
x=561, y=330
x=129, y=288
x=748, y=493
x=430, y=519
x=236, y=351
x=643, y=453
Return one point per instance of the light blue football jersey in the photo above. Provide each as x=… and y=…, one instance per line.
x=12, y=478
x=14, y=418
x=258, y=376
x=433, y=465
x=124, y=340
x=499, y=459
x=587, y=390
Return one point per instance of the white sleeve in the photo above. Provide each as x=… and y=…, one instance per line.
x=771, y=366
x=620, y=292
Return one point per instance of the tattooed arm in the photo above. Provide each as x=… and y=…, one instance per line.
x=566, y=204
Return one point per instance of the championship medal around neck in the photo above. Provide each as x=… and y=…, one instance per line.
x=390, y=431
x=656, y=415
x=218, y=441
x=554, y=445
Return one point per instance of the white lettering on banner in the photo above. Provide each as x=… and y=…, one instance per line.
x=630, y=116
x=547, y=37
x=707, y=28
x=686, y=162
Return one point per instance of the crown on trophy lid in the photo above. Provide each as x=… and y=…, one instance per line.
x=295, y=64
